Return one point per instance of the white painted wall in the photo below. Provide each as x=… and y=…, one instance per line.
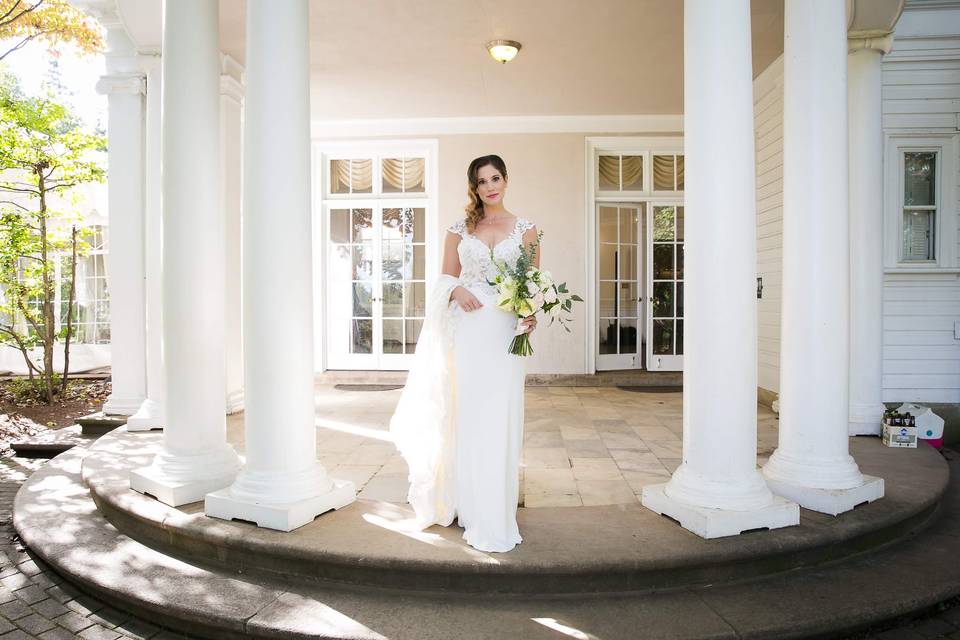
x=546, y=185
x=921, y=95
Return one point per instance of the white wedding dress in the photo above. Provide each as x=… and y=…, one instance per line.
x=459, y=422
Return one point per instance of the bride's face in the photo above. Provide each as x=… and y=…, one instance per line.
x=491, y=186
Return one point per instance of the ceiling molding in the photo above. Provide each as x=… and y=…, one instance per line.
x=497, y=124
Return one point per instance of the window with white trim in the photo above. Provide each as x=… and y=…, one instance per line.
x=921, y=203
x=91, y=320
x=376, y=200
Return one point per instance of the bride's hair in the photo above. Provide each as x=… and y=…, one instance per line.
x=475, y=208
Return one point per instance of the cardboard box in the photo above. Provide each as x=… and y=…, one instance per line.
x=899, y=436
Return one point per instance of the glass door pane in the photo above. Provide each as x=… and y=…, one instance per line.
x=403, y=278
x=619, y=246
x=350, y=282
x=665, y=311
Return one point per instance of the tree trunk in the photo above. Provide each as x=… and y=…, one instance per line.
x=49, y=323
x=73, y=295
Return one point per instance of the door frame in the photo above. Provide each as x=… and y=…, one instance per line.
x=594, y=146
x=321, y=150
x=639, y=359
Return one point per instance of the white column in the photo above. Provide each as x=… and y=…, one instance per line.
x=282, y=486
x=812, y=465
x=150, y=415
x=866, y=229
x=231, y=181
x=195, y=458
x=717, y=490
x=124, y=87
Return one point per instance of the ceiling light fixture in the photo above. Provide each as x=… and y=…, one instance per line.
x=503, y=50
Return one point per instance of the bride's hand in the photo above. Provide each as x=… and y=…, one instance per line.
x=466, y=300
x=530, y=323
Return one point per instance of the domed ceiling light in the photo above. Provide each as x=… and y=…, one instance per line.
x=503, y=50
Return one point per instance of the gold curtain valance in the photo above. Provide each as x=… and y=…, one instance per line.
x=404, y=174
x=401, y=174
x=632, y=168
x=355, y=173
x=663, y=173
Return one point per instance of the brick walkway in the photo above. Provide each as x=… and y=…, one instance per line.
x=36, y=603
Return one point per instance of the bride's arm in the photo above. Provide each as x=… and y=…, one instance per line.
x=452, y=267
x=451, y=259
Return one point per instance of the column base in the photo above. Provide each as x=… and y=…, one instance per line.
x=235, y=401
x=864, y=428
x=830, y=501
x=151, y=481
x=181, y=479
x=118, y=406
x=285, y=516
x=866, y=420
x=717, y=523
x=149, y=417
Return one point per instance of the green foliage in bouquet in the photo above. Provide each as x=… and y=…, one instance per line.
x=526, y=290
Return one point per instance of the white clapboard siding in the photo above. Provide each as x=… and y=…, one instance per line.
x=921, y=92
x=768, y=126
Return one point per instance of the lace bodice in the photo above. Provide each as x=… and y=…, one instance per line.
x=475, y=264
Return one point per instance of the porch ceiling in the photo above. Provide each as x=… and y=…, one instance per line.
x=426, y=58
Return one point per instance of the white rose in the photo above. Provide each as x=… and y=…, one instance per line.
x=538, y=300
x=532, y=287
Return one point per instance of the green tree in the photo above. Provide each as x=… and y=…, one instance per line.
x=51, y=21
x=44, y=155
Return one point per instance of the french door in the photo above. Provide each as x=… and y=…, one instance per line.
x=665, y=288
x=621, y=240
x=375, y=282
x=640, y=286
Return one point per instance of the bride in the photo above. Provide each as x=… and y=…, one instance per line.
x=459, y=422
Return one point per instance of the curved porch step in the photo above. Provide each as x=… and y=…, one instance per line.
x=565, y=549
x=56, y=517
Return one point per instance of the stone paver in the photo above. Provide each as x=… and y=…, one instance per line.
x=637, y=434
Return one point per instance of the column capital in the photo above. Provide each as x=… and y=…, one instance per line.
x=128, y=82
x=876, y=40
x=231, y=78
x=149, y=62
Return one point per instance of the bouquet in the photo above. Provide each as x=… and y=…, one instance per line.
x=526, y=290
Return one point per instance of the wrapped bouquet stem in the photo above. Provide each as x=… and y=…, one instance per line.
x=526, y=290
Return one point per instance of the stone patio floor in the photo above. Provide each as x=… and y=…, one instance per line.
x=583, y=446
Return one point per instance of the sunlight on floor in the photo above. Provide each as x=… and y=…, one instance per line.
x=552, y=623
x=403, y=524
x=346, y=427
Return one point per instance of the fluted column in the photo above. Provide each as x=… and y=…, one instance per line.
x=150, y=414
x=717, y=490
x=195, y=458
x=124, y=87
x=866, y=229
x=282, y=486
x=231, y=181
x=812, y=464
